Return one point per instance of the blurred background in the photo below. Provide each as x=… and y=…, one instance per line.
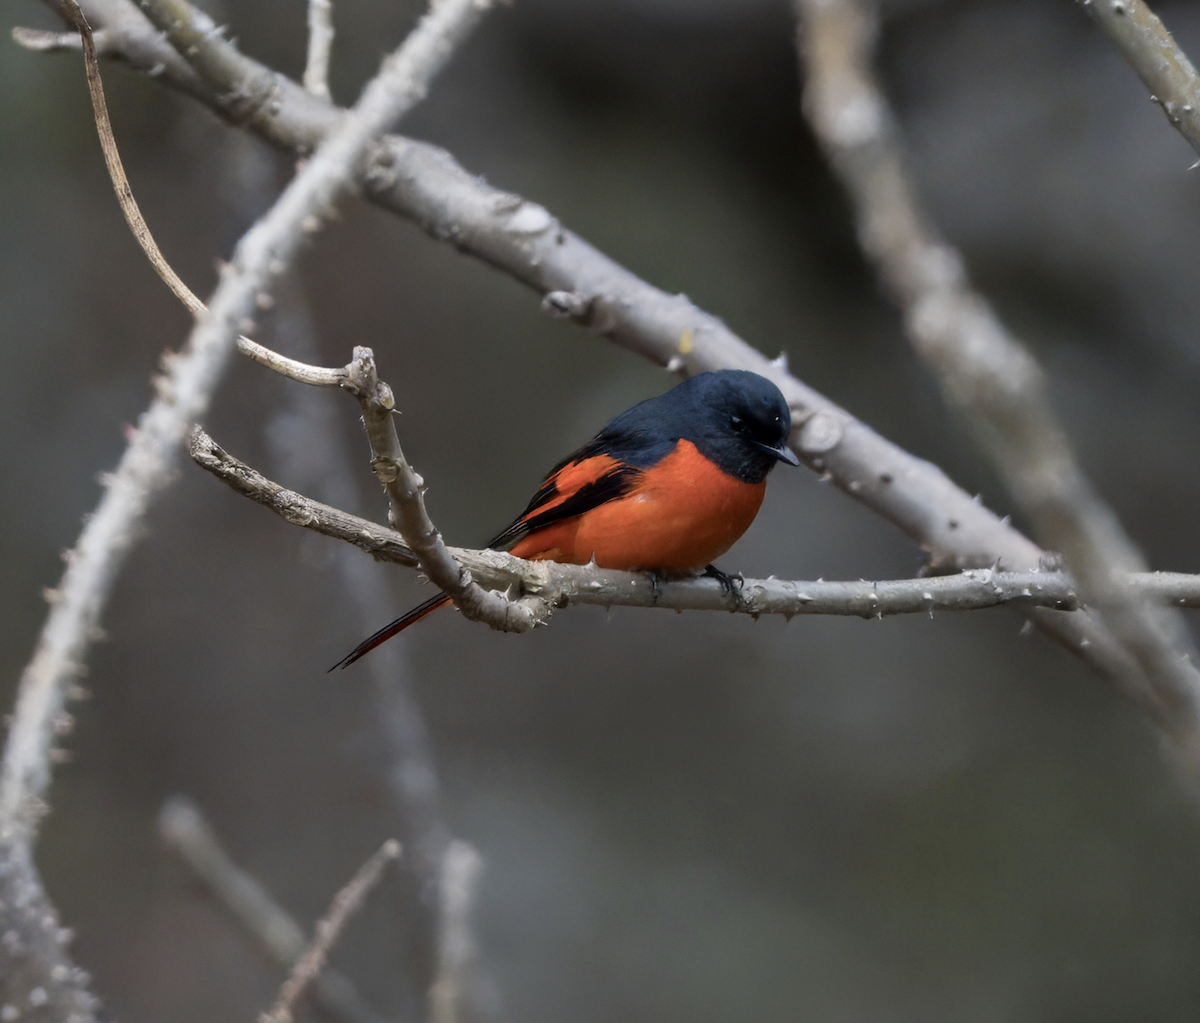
x=692, y=817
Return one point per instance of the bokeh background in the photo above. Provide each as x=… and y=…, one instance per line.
x=693, y=817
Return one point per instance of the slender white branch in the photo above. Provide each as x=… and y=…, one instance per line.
x=1159, y=62
x=320, y=42
x=293, y=369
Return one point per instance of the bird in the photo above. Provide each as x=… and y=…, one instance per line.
x=666, y=487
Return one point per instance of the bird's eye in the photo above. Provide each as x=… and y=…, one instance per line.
x=737, y=424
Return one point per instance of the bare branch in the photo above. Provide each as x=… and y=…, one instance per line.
x=1159, y=62
x=983, y=369
x=461, y=868
x=293, y=369
x=345, y=904
x=320, y=42
x=112, y=158
x=185, y=831
x=425, y=184
x=406, y=490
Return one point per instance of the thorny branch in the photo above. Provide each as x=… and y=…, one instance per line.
x=560, y=584
x=345, y=904
x=986, y=371
x=425, y=184
x=1159, y=62
x=185, y=830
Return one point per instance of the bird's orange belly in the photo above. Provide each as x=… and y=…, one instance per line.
x=682, y=515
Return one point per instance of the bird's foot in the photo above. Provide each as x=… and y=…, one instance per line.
x=731, y=584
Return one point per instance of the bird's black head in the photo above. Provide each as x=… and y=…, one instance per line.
x=736, y=419
x=741, y=421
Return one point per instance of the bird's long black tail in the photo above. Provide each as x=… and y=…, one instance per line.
x=388, y=631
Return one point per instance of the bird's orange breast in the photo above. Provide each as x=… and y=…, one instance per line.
x=681, y=515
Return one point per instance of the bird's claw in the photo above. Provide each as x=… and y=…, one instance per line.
x=731, y=584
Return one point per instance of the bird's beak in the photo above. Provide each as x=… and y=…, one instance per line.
x=783, y=452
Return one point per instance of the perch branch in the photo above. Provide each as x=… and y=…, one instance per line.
x=983, y=369
x=1159, y=62
x=970, y=590
x=184, y=829
x=320, y=42
x=345, y=904
x=424, y=183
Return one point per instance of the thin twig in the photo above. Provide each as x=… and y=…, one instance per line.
x=986, y=371
x=184, y=829
x=1159, y=62
x=320, y=42
x=345, y=904
x=406, y=490
x=425, y=184
x=112, y=157
x=973, y=589
x=461, y=869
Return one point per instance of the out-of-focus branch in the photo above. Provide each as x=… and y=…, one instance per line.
x=346, y=903
x=970, y=590
x=1159, y=62
x=41, y=41
x=320, y=42
x=38, y=980
x=425, y=184
x=984, y=370
x=184, y=829
x=461, y=869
